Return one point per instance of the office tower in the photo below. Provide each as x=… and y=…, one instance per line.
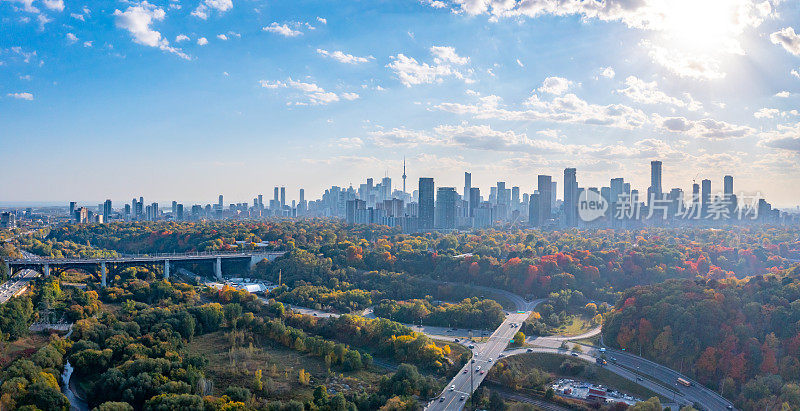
x=493, y=195
x=351, y=208
x=174, y=208
x=404, y=175
x=545, y=186
x=728, y=186
x=655, y=182
x=71, y=208
x=386, y=188
x=127, y=210
x=276, y=197
x=302, y=196
x=220, y=202
x=467, y=185
x=474, y=200
x=106, y=210
x=553, y=192
x=260, y=201
x=675, y=198
x=156, y=213
x=570, y=197
x=705, y=196
x=695, y=196
x=179, y=212
x=446, y=207
x=425, y=202
x=514, y=197
x=283, y=197
x=81, y=215
x=533, y=210
x=617, y=189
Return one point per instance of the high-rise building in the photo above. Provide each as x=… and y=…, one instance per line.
x=260, y=201
x=727, y=183
x=426, y=190
x=283, y=197
x=533, y=209
x=81, y=215
x=705, y=196
x=446, y=198
x=71, y=208
x=179, y=212
x=474, y=200
x=570, y=197
x=467, y=185
x=655, y=190
x=545, y=187
x=219, y=203
x=106, y=210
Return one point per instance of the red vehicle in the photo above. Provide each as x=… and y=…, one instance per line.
x=684, y=382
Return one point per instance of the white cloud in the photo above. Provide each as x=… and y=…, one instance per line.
x=71, y=38
x=56, y=5
x=767, y=113
x=282, y=29
x=202, y=41
x=21, y=96
x=181, y=37
x=445, y=55
x=88, y=43
x=222, y=37
x=138, y=19
x=519, y=63
x=788, y=39
x=568, y=108
x=783, y=94
x=555, y=85
x=322, y=20
x=608, y=72
x=312, y=93
x=411, y=72
x=692, y=65
x=344, y=57
x=785, y=137
x=207, y=6
x=645, y=92
x=77, y=16
x=795, y=73
x=705, y=128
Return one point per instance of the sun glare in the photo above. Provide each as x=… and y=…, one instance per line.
x=707, y=26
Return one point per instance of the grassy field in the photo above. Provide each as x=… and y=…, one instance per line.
x=25, y=346
x=593, y=373
x=576, y=326
x=280, y=369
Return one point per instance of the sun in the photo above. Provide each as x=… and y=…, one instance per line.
x=706, y=26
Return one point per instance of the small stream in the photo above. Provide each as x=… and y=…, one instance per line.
x=76, y=403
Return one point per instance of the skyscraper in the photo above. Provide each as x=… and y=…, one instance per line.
x=727, y=183
x=474, y=200
x=570, y=197
x=446, y=207
x=219, y=203
x=283, y=197
x=106, y=210
x=655, y=182
x=545, y=185
x=72, y=208
x=705, y=196
x=426, y=202
x=467, y=185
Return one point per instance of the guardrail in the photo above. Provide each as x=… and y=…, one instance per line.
x=139, y=257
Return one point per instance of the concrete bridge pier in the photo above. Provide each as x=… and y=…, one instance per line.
x=166, y=269
x=10, y=269
x=46, y=270
x=218, y=269
x=103, y=274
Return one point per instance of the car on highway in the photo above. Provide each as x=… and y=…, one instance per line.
x=465, y=371
x=452, y=388
x=490, y=359
x=639, y=379
x=462, y=398
x=480, y=372
x=529, y=350
x=441, y=399
x=478, y=368
x=456, y=340
x=574, y=354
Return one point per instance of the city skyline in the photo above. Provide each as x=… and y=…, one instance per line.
x=187, y=99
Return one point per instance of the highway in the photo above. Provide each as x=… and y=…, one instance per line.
x=16, y=285
x=484, y=357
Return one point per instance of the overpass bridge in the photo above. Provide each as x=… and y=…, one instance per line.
x=44, y=265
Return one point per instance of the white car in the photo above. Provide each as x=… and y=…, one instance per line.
x=452, y=388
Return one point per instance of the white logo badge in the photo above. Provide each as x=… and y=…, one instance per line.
x=591, y=205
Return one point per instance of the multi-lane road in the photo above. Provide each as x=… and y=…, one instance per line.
x=472, y=374
x=16, y=285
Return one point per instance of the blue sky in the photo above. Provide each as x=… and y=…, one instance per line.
x=187, y=99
